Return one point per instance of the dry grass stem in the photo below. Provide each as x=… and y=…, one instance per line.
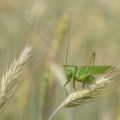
x=9, y=82
x=108, y=82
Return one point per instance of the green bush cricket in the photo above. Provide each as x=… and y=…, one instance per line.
x=83, y=74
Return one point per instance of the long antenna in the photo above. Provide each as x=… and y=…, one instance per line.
x=48, y=45
x=68, y=37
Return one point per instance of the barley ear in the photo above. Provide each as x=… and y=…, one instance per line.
x=9, y=83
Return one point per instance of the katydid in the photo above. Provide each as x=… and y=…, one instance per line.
x=83, y=74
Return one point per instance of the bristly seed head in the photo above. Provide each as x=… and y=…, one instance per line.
x=9, y=83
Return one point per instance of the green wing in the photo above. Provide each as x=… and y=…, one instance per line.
x=97, y=69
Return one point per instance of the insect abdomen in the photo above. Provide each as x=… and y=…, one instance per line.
x=85, y=79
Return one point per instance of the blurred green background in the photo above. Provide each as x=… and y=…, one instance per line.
x=94, y=26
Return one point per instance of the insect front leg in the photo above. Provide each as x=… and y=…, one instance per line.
x=65, y=86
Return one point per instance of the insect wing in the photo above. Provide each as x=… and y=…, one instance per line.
x=96, y=69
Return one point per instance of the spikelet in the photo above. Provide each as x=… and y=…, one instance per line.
x=108, y=82
x=9, y=82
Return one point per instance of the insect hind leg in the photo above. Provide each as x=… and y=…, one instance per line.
x=87, y=69
x=74, y=84
x=83, y=86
